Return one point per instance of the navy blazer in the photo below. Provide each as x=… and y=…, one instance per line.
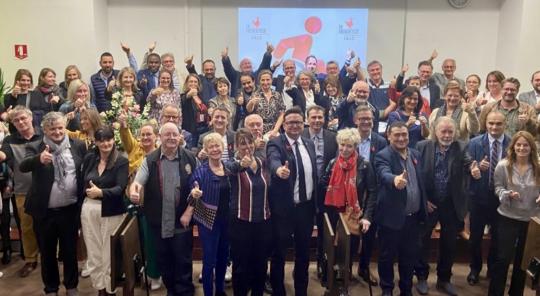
x=346, y=110
x=39, y=193
x=278, y=151
x=299, y=99
x=478, y=149
x=149, y=85
x=390, y=210
x=234, y=76
x=378, y=143
x=459, y=163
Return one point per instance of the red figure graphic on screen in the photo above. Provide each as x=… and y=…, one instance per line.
x=256, y=22
x=301, y=44
x=349, y=23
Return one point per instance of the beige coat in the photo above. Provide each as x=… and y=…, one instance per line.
x=468, y=125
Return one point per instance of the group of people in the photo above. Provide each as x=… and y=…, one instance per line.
x=255, y=160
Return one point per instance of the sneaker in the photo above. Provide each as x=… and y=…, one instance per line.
x=85, y=272
x=155, y=284
x=228, y=274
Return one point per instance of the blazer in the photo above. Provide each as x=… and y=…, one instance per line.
x=459, y=163
x=113, y=182
x=528, y=97
x=279, y=83
x=330, y=145
x=378, y=143
x=278, y=151
x=234, y=76
x=478, y=149
x=434, y=91
x=391, y=202
x=346, y=110
x=208, y=89
x=39, y=194
x=149, y=85
x=366, y=185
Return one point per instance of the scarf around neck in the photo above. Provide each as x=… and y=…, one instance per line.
x=59, y=160
x=341, y=190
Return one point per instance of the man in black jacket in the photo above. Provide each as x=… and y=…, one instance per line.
x=165, y=176
x=54, y=200
x=447, y=165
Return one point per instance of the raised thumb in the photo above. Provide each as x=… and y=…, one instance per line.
x=47, y=149
x=196, y=185
x=404, y=174
x=474, y=164
x=286, y=164
x=91, y=184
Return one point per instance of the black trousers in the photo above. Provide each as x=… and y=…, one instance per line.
x=250, y=244
x=175, y=262
x=480, y=216
x=296, y=226
x=450, y=225
x=368, y=243
x=403, y=244
x=511, y=243
x=59, y=227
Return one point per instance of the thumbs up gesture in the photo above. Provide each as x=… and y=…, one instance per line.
x=196, y=192
x=46, y=157
x=93, y=191
x=484, y=164
x=134, y=193
x=246, y=161
x=188, y=60
x=475, y=170
x=400, y=181
x=16, y=89
x=283, y=171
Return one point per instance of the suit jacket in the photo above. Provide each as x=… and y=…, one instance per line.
x=346, y=110
x=459, y=163
x=39, y=194
x=434, y=91
x=149, y=85
x=378, y=143
x=234, y=76
x=330, y=145
x=391, y=202
x=528, y=97
x=479, y=149
x=279, y=83
x=278, y=151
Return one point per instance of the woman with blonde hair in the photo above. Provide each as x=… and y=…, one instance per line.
x=517, y=183
x=212, y=190
x=455, y=107
x=78, y=99
x=70, y=74
x=126, y=85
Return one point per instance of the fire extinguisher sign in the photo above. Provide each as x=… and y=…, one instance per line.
x=21, y=51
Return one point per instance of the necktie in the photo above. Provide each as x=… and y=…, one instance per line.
x=301, y=173
x=493, y=160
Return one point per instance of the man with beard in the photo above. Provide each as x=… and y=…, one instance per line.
x=401, y=207
x=519, y=115
x=358, y=96
x=208, y=77
x=100, y=81
x=533, y=97
x=446, y=164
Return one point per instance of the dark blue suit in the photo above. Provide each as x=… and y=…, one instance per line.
x=399, y=233
x=346, y=111
x=290, y=219
x=483, y=204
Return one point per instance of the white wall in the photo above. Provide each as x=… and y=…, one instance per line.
x=486, y=35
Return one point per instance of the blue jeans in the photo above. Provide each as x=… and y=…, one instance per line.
x=215, y=245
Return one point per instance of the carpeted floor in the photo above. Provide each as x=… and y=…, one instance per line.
x=12, y=285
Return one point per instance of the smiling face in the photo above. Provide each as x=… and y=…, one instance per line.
x=56, y=131
x=209, y=70
x=411, y=102
x=72, y=75
x=148, y=137
x=223, y=89
x=220, y=119
x=522, y=148
x=83, y=92
x=399, y=138
x=127, y=79
x=472, y=83
x=364, y=121
x=316, y=120
x=168, y=63
x=449, y=67
x=106, y=63
x=49, y=79
x=214, y=150
x=105, y=146
x=289, y=68
x=453, y=98
x=193, y=83
x=22, y=122
x=248, y=85
x=153, y=63
x=246, y=66
x=304, y=81
x=25, y=83
x=493, y=85
x=311, y=64
x=510, y=91
x=445, y=133
x=165, y=80
x=332, y=69
x=375, y=72
x=495, y=124
x=85, y=122
x=536, y=82
x=425, y=72
x=265, y=82
x=294, y=125
x=170, y=137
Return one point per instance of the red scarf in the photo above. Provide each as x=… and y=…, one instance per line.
x=341, y=190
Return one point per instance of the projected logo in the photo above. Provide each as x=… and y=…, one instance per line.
x=299, y=33
x=254, y=29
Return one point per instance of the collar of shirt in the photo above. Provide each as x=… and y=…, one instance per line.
x=368, y=139
x=291, y=141
x=492, y=139
x=372, y=84
x=318, y=135
x=162, y=155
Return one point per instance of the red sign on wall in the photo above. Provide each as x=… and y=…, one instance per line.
x=21, y=51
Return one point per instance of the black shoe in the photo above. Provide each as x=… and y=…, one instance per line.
x=386, y=293
x=367, y=277
x=268, y=287
x=446, y=287
x=222, y=293
x=472, y=278
x=6, y=258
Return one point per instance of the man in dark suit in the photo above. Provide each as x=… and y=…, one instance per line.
x=148, y=78
x=401, y=206
x=208, y=78
x=325, y=150
x=370, y=144
x=293, y=198
x=358, y=96
x=532, y=97
x=446, y=165
x=487, y=149
x=54, y=200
